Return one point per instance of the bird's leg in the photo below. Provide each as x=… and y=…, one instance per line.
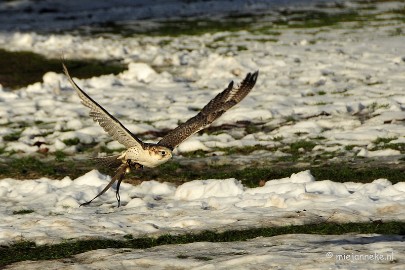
x=117, y=193
x=118, y=176
x=130, y=165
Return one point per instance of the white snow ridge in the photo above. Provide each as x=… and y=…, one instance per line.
x=157, y=208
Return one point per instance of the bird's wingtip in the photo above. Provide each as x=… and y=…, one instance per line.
x=255, y=75
x=230, y=85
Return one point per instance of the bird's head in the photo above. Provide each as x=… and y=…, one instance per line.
x=160, y=153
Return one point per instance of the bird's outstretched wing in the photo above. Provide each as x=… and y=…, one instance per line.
x=108, y=122
x=214, y=109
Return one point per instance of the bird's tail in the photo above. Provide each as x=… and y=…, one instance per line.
x=109, y=161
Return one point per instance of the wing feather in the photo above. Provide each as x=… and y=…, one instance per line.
x=212, y=111
x=108, y=122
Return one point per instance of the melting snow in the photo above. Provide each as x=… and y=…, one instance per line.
x=343, y=84
x=280, y=252
x=154, y=208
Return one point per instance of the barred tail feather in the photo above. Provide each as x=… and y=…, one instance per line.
x=109, y=161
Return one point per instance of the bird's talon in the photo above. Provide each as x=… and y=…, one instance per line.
x=138, y=166
x=133, y=165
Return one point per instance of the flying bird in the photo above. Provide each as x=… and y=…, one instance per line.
x=138, y=153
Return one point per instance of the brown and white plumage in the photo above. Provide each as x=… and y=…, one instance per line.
x=212, y=111
x=138, y=153
x=108, y=122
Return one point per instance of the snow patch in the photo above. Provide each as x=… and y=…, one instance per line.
x=200, y=189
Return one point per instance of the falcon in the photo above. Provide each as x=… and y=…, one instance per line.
x=139, y=154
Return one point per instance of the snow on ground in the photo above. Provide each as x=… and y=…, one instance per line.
x=295, y=251
x=341, y=86
x=154, y=208
x=54, y=15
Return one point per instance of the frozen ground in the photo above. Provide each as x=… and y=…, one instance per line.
x=339, y=87
x=56, y=15
x=154, y=208
x=279, y=252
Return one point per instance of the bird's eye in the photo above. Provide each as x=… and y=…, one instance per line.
x=163, y=153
